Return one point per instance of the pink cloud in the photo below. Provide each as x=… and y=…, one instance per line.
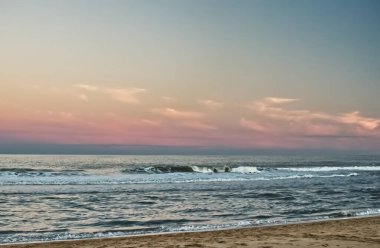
x=356, y=119
x=128, y=95
x=87, y=87
x=253, y=125
x=125, y=95
x=278, y=100
x=151, y=122
x=307, y=122
x=270, y=122
x=169, y=99
x=83, y=97
x=178, y=114
x=199, y=125
x=211, y=105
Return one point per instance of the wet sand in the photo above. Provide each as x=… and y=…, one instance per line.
x=357, y=232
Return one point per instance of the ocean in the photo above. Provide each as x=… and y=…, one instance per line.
x=56, y=197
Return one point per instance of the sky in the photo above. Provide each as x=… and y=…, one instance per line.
x=205, y=74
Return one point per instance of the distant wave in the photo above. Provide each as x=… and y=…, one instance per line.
x=317, y=176
x=28, y=172
x=153, y=179
x=327, y=168
x=193, y=169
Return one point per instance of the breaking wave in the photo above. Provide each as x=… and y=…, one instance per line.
x=356, y=213
x=193, y=169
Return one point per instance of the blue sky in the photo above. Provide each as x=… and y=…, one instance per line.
x=250, y=74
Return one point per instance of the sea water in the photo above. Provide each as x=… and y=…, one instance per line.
x=54, y=197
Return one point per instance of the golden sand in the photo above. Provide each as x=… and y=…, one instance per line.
x=357, y=232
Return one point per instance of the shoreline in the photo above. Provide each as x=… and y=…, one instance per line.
x=340, y=232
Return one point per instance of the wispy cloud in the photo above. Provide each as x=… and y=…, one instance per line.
x=125, y=95
x=254, y=125
x=169, y=99
x=83, y=97
x=270, y=112
x=187, y=119
x=129, y=95
x=150, y=122
x=54, y=117
x=199, y=125
x=65, y=115
x=178, y=114
x=273, y=110
x=278, y=100
x=356, y=119
x=211, y=105
x=87, y=87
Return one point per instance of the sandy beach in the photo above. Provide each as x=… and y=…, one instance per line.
x=357, y=232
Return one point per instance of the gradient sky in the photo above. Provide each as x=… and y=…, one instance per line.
x=233, y=74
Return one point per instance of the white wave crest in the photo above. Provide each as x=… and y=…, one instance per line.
x=245, y=169
x=313, y=176
x=368, y=212
x=240, y=169
x=202, y=169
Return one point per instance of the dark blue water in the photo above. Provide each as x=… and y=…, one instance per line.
x=70, y=197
